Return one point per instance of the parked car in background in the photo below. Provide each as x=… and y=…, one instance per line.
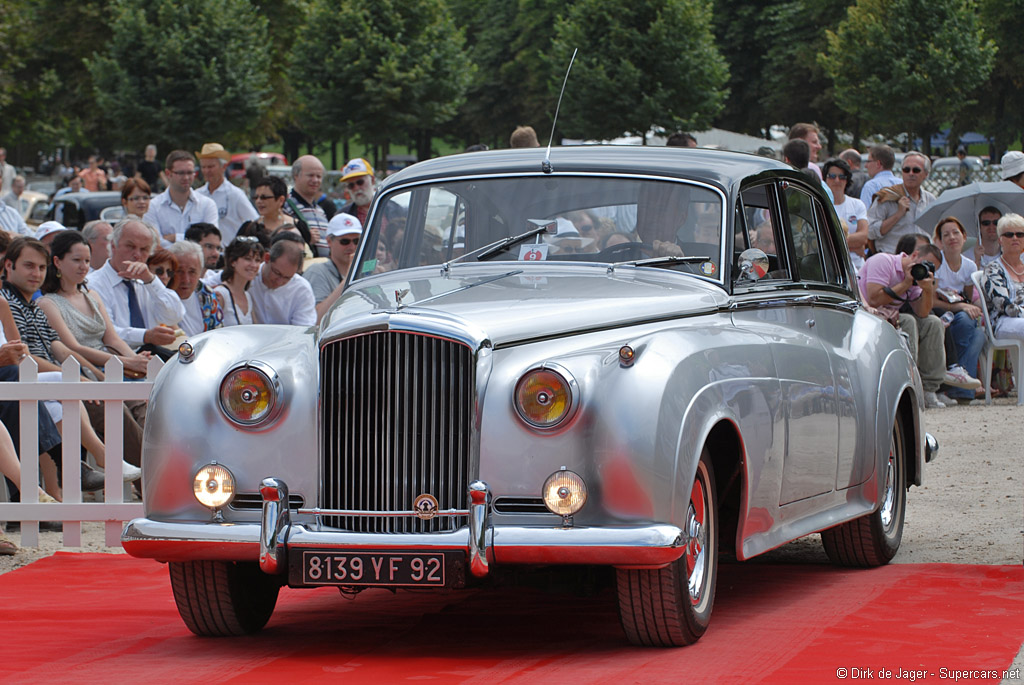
x=576, y=360
x=75, y=210
x=30, y=199
x=238, y=163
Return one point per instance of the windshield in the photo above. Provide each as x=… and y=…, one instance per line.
x=547, y=218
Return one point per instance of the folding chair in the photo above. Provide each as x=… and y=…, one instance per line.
x=992, y=343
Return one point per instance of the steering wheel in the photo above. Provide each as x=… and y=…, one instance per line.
x=625, y=252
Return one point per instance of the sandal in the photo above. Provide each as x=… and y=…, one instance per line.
x=7, y=548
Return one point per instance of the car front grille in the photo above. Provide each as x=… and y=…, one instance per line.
x=396, y=423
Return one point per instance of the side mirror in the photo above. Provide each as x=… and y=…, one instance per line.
x=753, y=265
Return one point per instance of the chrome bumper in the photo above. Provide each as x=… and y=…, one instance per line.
x=639, y=546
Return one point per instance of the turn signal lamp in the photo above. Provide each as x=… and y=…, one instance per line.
x=544, y=397
x=213, y=486
x=564, y=493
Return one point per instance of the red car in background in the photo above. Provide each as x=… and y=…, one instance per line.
x=238, y=163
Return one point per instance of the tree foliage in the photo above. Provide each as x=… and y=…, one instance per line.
x=640, y=64
x=181, y=72
x=907, y=65
x=380, y=70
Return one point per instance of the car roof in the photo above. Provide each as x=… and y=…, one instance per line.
x=720, y=167
x=101, y=197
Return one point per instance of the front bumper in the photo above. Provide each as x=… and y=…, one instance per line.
x=628, y=546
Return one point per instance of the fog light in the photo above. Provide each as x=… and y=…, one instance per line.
x=564, y=493
x=213, y=486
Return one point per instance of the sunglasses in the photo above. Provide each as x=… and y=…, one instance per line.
x=263, y=197
x=1012, y=234
x=835, y=176
x=348, y=241
x=912, y=169
x=247, y=239
x=989, y=222
x=161, y=271
x=358, y=183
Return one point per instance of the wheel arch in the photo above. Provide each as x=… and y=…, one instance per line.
x=725, y=447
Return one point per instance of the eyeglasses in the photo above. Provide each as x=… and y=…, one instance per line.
x=912, y=169
x=585, y=228
x=835, y=176
x=211, y=246
x=263, y=197
x=138, y=198
x=357, y=183
x=348, y=241
x=1012, y=234
x=989, y=222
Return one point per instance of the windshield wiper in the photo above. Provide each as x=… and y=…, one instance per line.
x=491, y=249
x=660, y=261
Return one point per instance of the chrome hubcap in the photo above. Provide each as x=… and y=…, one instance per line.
x=888, y=510
x=696, y=555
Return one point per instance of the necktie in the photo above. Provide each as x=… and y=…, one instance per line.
x=135, y=319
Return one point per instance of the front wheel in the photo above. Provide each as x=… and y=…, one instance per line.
x=223, y=598
x=873, y=540
x=671, y=606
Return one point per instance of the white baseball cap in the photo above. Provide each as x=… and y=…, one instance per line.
x=48, y=227
x=344, y=224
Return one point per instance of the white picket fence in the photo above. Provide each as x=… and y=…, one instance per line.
x=113, y=392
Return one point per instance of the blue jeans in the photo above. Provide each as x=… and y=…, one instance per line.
x=968, y=338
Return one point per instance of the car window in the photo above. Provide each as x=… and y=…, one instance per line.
x=806, y=226
x=761, y=229
x=604, y=219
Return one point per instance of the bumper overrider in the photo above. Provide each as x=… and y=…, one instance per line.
x=276, y=541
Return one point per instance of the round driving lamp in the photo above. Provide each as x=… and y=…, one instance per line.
x=564, y=493
x=214, y=486
x=544, y=397
x=248, y=396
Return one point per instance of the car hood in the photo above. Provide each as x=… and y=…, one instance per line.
x=509, y=304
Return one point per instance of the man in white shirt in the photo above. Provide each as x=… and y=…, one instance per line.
x=279, y=295
x=11, y=221
x=233, y=207
x=7, y=173
x=202, y=310
x=178, y=207
x=138, y=303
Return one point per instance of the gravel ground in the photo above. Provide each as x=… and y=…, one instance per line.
x=970, y=509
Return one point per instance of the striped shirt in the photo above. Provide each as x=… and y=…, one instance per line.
x=313, y=215
x=33, y=326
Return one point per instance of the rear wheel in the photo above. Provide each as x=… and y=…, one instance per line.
x=671, y=606
x=223, y=598
x=873, y=540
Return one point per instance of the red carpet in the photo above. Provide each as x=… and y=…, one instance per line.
x=84, y=618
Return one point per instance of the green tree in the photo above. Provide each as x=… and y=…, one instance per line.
x=382, y=70
x=510, y=45
x=999, y=107
x=181, y=72
x=648, y=63
x=907, y=65
x=739, y=34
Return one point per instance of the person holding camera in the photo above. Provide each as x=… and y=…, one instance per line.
x=902, y=288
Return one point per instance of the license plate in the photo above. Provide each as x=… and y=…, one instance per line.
x=392, y=569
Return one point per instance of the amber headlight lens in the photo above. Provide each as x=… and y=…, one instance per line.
x=213, y=486
x=565, y=493
x=543, y=398
x=247, y=396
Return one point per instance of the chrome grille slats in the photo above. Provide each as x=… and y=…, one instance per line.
x=395, y=420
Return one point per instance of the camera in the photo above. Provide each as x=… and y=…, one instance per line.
x=921, y=271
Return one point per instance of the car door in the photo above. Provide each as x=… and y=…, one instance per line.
x=781, y=309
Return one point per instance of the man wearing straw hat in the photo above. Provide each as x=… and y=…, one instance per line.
x=233, y=207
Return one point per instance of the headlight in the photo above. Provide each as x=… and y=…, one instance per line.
x=249, y=395
x=545, y=397
x=213, y=486
x=565, y=493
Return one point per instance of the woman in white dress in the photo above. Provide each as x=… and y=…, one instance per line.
x=837, y=176
x=242, y=260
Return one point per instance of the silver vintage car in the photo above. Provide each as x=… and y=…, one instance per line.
x=635, y=358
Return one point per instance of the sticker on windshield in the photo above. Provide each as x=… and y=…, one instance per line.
x=708, y=268
x=369, y=265
x=533, y=253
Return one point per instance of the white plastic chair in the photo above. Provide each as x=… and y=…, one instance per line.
x=992, y=343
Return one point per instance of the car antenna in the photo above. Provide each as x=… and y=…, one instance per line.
x=546, y=164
